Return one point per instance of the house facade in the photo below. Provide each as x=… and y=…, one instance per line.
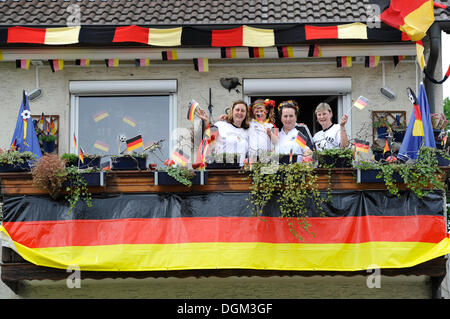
x=108, y=69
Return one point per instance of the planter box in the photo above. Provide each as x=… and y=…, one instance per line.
x=163, y=178
x=215, y=165
x=89, y=162
x=22, y=167
x=128, y=163
x=284, y=159
x=92, y=179
x=335, y=162
x=370, y=176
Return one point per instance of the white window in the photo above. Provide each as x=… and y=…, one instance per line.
x=102, y=111
x=308, y=93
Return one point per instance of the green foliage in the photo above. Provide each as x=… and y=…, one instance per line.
x=15, y=157
x=77, y=188
x=330, y=158
x=447, y=110
x=420, y=176
x=293, y=185
x=70, y=158
x=181, y=174
x=47, y=138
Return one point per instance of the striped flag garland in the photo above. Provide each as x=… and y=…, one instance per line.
x=285, y=52
x=83, y=62
x=361, y=102
x=201, y=64
x=314, y=51
x=371, y=61
x=256, y=52
x=191, y=110
x=23, y=64
x=169, y=55
x=228, y=53
x=111, y=63
x=397, y=59
x=56, y=65
x=142, y=62
x=344, y=61
x=134, y=143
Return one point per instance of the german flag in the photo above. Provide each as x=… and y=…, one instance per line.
x=179, y=157
x=81, y=155
x=361, y=146
x=83, y=62
x=228, y=53
x=344, y=61
x=134, y=143
x=201, y=64
x=314, y=51
x=218, y=231
x=50, y=36
x=301, y=140
x=191, y=110
x=169, y=55
x=413, y=17
x=256, y=52
x=418, y=125
x=371, y=61
x=142, y=62
x=285, y=52
x=112, y=63
x=56, y=65
x=387, y=148
x=345, y=31
x=23, y=64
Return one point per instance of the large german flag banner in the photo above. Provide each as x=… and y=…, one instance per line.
x=176, y=231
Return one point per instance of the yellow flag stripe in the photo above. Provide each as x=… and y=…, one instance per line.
x=256, y=37
x=165, y=37
x=255, y=255
x=66, y=35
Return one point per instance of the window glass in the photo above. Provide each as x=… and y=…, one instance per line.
x=103, y=119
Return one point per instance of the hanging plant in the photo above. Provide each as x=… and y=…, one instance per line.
x=293, y=186
x=76, y=188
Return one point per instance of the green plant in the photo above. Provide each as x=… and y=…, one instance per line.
x=333, y=157
x=293, y=186
x=382, y=122
x=15, y=157
x=47, y=138
x=421, y=176
x=181, y=174
x=77, y=188
x=70, y=158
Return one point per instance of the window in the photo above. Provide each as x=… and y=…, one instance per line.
x=102, y=112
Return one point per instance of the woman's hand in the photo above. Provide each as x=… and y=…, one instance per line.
x=344, y=120
x=201, y=113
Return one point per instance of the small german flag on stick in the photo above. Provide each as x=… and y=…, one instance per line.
x=134, y=143
x=191, y=110
x=361, y=146
x=179, y=157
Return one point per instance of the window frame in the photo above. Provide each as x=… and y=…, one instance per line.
x=109, y=88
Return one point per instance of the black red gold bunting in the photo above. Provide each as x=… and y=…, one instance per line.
x=432, y=79
x=190, y=35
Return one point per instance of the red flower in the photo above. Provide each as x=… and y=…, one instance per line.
x=169, y=162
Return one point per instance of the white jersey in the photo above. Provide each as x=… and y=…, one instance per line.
x=231, y=139
x=329, y=138
x=259, y=141
x=287, y=142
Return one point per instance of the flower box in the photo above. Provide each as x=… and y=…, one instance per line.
x=127, y=163
x=284, y=159
x=334, y=161
x=17, y=167
x=163, y=178
x=92, y=179
x=370, y=176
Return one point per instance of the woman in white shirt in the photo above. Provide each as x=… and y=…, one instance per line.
x=331, y=135
x=263, y=135
x=288, y=133
x=233, y=132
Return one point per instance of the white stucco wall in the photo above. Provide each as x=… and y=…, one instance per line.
x=195, y=85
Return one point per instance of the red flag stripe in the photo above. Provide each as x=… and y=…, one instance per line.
x=327, y=230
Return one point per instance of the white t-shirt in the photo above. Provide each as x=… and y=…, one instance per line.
x=329, y=138
x=287, y=142
x=231, y=139
x=259, y=141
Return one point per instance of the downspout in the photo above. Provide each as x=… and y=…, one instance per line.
x=434, y=34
